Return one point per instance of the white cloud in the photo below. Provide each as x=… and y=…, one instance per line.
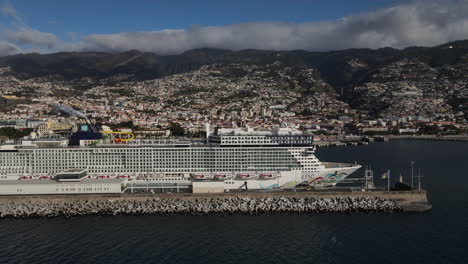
x=7, y=10
x=423, y=23
x=19, y=33
x=8, y=49
x=32, y=37
x=416, y=22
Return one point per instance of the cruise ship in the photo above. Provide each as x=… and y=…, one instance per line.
x=231, y=158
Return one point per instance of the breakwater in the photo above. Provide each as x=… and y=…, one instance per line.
x=227, y=205
x=224, y=204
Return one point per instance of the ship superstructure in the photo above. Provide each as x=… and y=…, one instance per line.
x=236, y=158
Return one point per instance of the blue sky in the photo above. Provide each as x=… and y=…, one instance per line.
x=173, y=27
x=87, y=17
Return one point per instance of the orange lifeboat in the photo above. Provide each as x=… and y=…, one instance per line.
x=247, y=176
x=267, y=176
x=202, y=176
x=222, y=176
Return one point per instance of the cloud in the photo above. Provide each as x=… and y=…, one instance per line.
x=73, y=36
x=19, y=33
x=8, y=49
x=32, y=37
x=409, y=23
x=422, y=23
x=7, y=10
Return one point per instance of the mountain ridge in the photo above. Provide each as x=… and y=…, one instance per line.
x=356, y=75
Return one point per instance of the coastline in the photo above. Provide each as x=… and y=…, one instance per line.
x=360, y=140
x=429, y=137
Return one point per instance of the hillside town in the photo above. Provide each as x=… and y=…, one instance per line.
x=405, y=97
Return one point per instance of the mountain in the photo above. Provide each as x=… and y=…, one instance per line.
x=334, y=66
x=371, y=80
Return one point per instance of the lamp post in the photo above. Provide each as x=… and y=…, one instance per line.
x=419, y=179
x=412, y=175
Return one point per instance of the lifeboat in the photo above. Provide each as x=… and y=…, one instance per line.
x=25, y=178
x=222, y=176
x=44, y=177
x=124, y=177
x=103, y=177
x=267, y=176
x=247, y=176
x=202, y=176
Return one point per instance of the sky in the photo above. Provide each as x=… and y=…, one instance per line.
x=172, y=27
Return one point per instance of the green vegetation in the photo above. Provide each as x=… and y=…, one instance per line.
x=14, y=133
x=147, y=111
x=451, y=130
x=177, y=130
x=25, y=91
x=152, y=99
x=199, y=134
x=127, y=124
x=375, y=133
x=123, y=92
x=429, y=130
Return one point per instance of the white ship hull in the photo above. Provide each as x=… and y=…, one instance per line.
x=285, y=180
x=248, y=160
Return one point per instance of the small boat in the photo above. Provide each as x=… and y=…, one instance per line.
x=267, y=176
x=247, y=176
x=222, y=176
x=202, y=176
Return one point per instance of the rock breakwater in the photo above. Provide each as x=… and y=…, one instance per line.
x=196, y=206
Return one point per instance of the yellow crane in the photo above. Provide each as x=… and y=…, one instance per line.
x=132, y=136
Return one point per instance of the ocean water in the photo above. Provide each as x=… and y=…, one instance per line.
x=438, y=236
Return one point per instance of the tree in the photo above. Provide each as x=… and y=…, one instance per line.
x=177, y=130
x=127, y=124
x=14, y=133
x=429, y=129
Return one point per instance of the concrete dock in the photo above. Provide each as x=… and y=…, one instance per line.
x=252, y=203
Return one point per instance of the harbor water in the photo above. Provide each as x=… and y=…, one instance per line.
x=437, y=236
